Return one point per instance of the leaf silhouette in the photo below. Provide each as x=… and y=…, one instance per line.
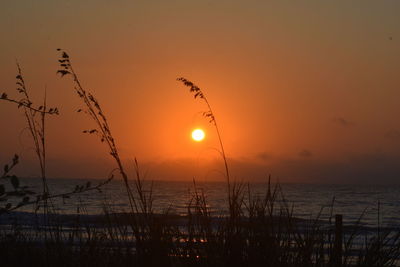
x=14, y=181
x=63, y=72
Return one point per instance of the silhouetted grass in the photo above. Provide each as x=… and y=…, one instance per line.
x=264, y=233
x=258, y=230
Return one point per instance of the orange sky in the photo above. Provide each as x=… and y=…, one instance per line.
x=305, y=91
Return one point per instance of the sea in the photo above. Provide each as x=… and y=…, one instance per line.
x=375, y=205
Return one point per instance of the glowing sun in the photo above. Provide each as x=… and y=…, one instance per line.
x=198, y=135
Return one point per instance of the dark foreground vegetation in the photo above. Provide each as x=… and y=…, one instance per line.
x=255, y=231
x=259, y=231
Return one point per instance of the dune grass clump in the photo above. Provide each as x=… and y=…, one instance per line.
x=209, y=114
x=266, y=234
x=35, y=117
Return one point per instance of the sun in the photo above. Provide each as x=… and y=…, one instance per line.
x=198, y=135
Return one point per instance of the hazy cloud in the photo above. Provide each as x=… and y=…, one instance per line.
x=263, y=156
x=372, y=168
x=392, y=134
x=305, y=153
x=342, y=122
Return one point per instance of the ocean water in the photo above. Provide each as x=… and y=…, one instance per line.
x=373, y=201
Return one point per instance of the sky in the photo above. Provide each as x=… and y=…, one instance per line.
x=304, y=91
